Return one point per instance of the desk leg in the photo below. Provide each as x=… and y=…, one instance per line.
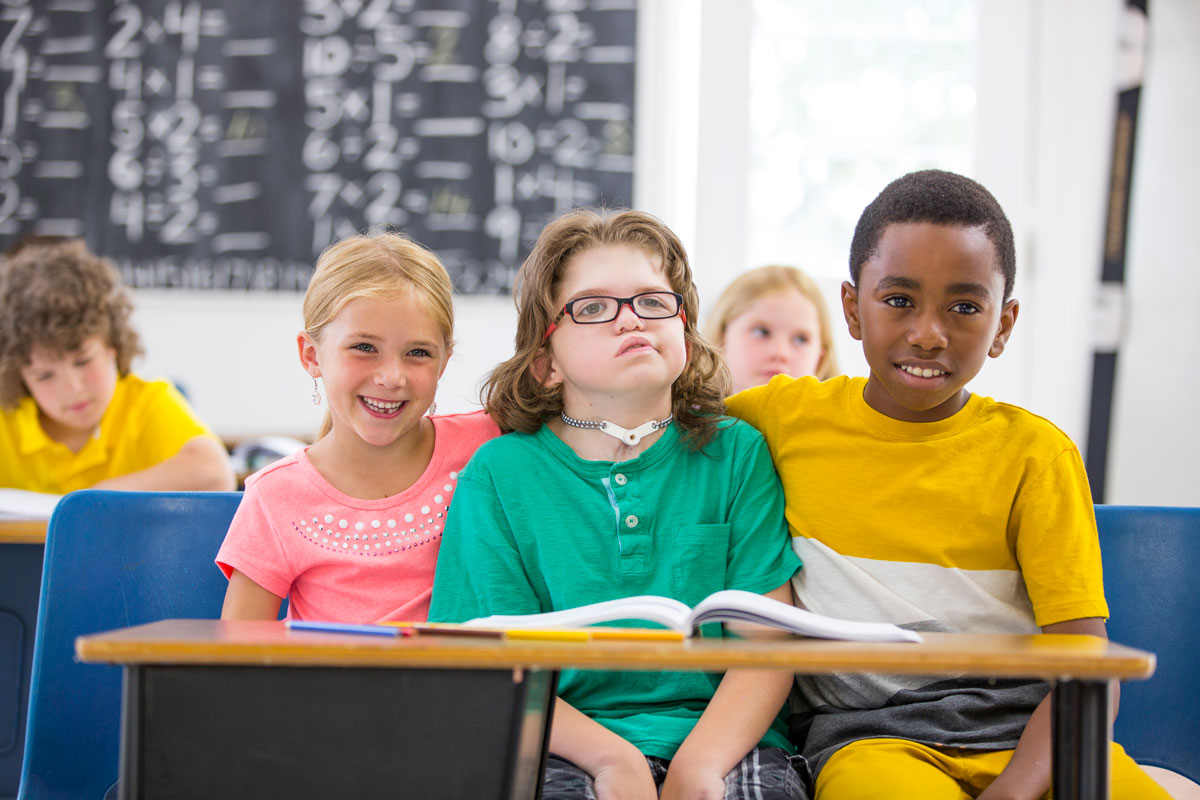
x=1079, y=719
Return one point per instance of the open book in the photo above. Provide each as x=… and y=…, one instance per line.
x=23, y=504
x=730, y=605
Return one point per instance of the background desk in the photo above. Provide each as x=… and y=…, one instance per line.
x=23, y=531
x=22, y=547
x=196, y=662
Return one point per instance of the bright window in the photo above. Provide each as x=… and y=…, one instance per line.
x=844, y=97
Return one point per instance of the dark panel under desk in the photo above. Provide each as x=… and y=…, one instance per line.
x=20, y=585
x=300, y=732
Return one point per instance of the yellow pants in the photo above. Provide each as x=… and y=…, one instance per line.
x=897, y=768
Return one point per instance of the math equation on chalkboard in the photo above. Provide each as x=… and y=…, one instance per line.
x=222, y=144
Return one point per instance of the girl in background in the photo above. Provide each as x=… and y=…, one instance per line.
x=349, y=528
x=772, y=321
x=623, y=478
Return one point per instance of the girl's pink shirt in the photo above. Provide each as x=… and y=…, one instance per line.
x=339, y=558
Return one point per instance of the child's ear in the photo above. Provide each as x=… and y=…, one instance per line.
x=543, y=369
x=850, y=309
x=308, y=354
x=1008, y=318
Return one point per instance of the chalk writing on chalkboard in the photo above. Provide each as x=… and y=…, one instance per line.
x=222, y=144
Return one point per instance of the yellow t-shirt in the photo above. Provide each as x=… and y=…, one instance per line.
x=981, y=522
x=146, y=422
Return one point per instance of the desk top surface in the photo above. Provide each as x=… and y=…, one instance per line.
x=272, y=644
x=23, y=531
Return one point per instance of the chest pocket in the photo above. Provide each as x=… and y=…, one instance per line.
x=698, y=560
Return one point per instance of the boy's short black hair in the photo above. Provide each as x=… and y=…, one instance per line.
x=942, y=198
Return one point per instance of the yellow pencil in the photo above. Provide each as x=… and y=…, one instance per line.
x=651, y=634
x=551, y=636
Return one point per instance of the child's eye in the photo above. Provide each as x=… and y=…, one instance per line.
x=591, y=308
x=800, y=338
x=420, y=352
x=651, y=302
x=898, y=301
x=965, y=308
x=83, y=362
x=363, y=347
x=759, y=332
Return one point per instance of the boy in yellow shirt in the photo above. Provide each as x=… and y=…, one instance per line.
x=73, y=415
x=912, y=501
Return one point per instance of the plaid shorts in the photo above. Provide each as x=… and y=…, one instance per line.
x=766, y=773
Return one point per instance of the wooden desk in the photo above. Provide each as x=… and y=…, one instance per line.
x=23, y=531
x=1080, y=666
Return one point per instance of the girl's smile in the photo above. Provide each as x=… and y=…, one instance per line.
x=384, y=409
x=380, y=360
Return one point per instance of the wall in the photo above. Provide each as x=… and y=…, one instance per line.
x=236, y=356
x=1156, y=436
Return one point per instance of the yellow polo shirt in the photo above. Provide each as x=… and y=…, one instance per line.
x=146, y=422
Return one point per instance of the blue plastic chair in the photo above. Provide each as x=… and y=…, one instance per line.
x=112, y=559
x=1151, y=563
x=20, y=579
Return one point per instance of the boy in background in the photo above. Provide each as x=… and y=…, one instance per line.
x=912, y=501
x=72, y=415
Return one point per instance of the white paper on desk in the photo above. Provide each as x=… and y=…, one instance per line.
x=23, y=504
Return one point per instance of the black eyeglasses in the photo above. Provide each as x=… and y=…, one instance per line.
x=596, y=309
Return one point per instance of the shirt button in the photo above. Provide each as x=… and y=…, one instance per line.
x=631, y=521
x=620, y=479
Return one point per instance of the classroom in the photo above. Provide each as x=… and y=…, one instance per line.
x=213, y=149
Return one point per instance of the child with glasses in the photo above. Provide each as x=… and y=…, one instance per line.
x=623, y=478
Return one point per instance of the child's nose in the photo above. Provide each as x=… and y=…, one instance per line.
x=626, y=318
x=928, y=332
x=390, y=373
x=74, y=381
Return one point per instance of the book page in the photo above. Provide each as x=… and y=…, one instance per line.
x=734, y=605
x=22, y=504
x=663, y=610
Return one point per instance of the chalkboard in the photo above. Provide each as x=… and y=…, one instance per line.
x=222, y=144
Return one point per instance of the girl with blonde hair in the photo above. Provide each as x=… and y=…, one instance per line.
x=772, y=321
x=623, y=478
x=349, y=528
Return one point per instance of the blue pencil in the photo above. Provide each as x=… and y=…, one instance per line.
x=343, y=627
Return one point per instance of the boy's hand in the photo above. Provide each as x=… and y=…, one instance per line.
x=693, y=782
x=628, y=778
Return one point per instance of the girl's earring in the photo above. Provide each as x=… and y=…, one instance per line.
x=316, y=395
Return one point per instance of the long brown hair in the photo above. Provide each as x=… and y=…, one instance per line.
x=512, y=393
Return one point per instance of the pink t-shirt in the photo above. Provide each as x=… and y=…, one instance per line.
x=337, y=557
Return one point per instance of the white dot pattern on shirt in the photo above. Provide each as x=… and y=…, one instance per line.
x=327, y=526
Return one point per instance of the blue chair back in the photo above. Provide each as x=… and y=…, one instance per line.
x=20, y=577
x=1151, y=562
x=112, y=559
